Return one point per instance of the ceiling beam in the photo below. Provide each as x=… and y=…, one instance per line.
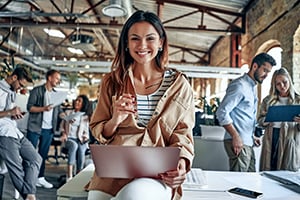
x=203, y=60
x=58, y=9
x=105, y=67
x=36, y=41
x=4, y=5
x=108, y=26
x=188, y=49
x=99, y=32
x=179, y=17
x=206, y=9
x=231, y=25
x=199, y=7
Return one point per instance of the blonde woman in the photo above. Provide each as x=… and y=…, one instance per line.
x=281, y=141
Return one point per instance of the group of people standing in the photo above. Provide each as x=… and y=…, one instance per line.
x=237, y=113
x=44, y=119
x=142, y=102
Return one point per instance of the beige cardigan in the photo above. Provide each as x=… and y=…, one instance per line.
x=289, y=142
x=170, y=125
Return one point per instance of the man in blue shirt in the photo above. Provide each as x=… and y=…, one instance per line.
x=237, y=114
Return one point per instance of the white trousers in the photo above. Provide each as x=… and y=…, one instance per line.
x=138, y=189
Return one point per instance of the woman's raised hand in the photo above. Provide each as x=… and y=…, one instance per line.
x=124, y=106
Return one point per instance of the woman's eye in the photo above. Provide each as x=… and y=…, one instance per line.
x=150, y=38
x=134, y=38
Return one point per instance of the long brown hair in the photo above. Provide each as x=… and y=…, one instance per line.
x=123, y=59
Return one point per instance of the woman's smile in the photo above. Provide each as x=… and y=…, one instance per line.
x=143, y=53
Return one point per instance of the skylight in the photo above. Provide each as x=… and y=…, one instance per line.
x=54, y=33
x=76, y=51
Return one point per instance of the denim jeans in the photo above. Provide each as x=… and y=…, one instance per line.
x=44, y=140
x=76, y=153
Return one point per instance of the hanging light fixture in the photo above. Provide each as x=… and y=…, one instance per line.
x=114, y=9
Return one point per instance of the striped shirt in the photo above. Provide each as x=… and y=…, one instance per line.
x=146, y=104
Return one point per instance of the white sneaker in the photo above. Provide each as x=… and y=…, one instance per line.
x=43, y=183
x=68, y=179
x=17, y=194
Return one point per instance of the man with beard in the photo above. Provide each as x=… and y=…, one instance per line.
x=22, y=160
x=43, y=119
x=237, y=114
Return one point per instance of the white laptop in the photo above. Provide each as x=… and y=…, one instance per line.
x=112, y=161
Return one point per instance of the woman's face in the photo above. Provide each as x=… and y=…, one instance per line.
x=78, y=104
x=143, y=42
x=282, y=85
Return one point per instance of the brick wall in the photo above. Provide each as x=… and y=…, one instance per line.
x=221, y=53
x=296, y=59
x=220, y=57
x=278, y=22
x=266, y=20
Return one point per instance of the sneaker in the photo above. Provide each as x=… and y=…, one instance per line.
x=68, y=179
x=43, y=183
x=17, y=194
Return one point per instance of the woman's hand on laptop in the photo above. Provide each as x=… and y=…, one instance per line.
x=175, y=178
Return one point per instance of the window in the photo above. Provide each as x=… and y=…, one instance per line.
x=265, y=87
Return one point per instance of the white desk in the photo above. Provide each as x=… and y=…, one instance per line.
x=75, y=187
x=217, y=183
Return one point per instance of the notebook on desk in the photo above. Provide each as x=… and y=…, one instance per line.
x=289, y=179
x=112, y=161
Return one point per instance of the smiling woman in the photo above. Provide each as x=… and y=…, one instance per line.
x=75, y=134
x=144, y=103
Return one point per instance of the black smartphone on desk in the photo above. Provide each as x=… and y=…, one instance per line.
x=245, y=192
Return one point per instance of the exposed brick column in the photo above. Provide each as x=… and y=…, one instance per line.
x=296, y=60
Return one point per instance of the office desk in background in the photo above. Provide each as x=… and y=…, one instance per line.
x=216, y=184
x=220, y=181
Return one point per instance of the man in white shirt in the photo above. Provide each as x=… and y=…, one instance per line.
x=43, y=119
x=13, y=144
